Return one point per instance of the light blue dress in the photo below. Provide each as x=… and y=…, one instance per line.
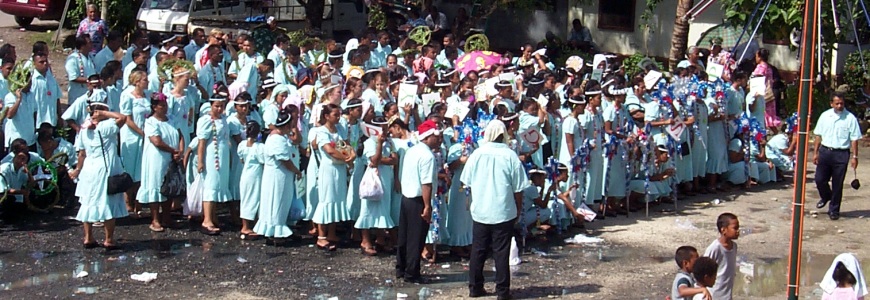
x=765, y=172
x=376, y=213
x=661, y=188
x=216, y=173
x=179, y=111
x=699, y=148
x=717, y=157
x=131, y=142
x=359, y=167
x=236, y=165
x=615, y=164
x=531, y=212
x=685, y=172
x=96, y=204
x=555, y=135
x=331, y=181
x=528, y=121
x=459, y=223
x=593, y=126
x=311, y=174
x=277, y=193
x=737, y=171
x=774, y=149
x=155, y=161
x=253, y=157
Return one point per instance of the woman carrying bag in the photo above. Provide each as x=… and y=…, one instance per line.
x=98, y=142
x=163, y=146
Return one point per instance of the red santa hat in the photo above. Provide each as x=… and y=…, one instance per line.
x=426, y=129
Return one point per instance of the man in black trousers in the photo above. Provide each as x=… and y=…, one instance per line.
x=496, y=177
x=837, y=133
x=418, y=174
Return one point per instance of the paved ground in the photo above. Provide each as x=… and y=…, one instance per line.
x=40, y=256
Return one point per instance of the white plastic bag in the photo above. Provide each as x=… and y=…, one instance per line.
x=193, y=204
x=515, y=253
x=370, y=187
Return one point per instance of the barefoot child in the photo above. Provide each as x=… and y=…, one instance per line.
x=724, y=251
x=704, y=271
x=684, y=283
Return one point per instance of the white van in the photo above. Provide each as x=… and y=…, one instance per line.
x=240, y=16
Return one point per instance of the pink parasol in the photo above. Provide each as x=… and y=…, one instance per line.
x=478, y=60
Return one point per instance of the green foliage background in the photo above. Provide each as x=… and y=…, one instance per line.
x=122, y=14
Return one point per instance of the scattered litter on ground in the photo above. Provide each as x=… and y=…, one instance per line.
x=82, y=274
x=583, y=239
x=144, y=277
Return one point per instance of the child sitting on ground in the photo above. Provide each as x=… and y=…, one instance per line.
x=724, y=252
x=684, y=283
x=705, y=270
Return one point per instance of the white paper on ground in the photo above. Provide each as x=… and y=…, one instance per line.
x=144, y=277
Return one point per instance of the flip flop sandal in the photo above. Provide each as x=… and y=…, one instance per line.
x=209, y=230
x=91, y=245
x=156, y=229
x=369, y=251
x=111, y=247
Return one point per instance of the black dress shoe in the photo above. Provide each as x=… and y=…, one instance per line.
x=417, y=280
x=505, y=297
x=821, y=203
x=834, y=217
x=475, y=293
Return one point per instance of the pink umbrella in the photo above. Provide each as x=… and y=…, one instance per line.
x=478, y=60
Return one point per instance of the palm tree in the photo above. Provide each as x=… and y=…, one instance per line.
x=680, y=36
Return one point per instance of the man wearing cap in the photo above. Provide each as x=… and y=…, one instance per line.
x=78, y=67
x=496, y=178
x=837, y=133
x=418, y=176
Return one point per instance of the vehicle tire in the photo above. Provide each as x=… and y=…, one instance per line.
x=23, y=21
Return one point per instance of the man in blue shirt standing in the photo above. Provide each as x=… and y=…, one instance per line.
x=418, y=173
x=497, y=179
x=837, y=134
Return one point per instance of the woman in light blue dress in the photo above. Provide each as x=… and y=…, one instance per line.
x=181, y=104
x=237, y=121
x=252, y=154
x=699, y=147
x=717, y=123
x=459, y=224
x=616, y=121
x=375, y=213
x=99, y=144
x=335, y=155
x=592, y=124
x=164, y=145
x=135, y=104
x=213, y=162
x=277, y=191
x=350, y=121
x=574, y=139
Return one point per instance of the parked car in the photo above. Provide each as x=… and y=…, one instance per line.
x=25, y=10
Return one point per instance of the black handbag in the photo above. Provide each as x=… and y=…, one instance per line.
x=174, y=184
x=115, y=184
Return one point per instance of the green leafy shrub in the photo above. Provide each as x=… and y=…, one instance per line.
x=854, y=73
x=821, y=101
x=630, y=64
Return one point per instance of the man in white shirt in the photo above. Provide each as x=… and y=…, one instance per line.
x=837, y=133
x=248, y=56
x=418, y=176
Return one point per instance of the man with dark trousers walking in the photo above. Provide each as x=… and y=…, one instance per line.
x=496, y=177
x=837, y=134
x=418, y=174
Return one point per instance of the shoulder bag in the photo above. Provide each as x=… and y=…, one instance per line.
x=115, y=184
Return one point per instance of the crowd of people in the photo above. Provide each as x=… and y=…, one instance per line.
x=385, y=137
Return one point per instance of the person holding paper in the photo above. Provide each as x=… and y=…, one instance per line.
x=762, y=68
x=532, y=118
